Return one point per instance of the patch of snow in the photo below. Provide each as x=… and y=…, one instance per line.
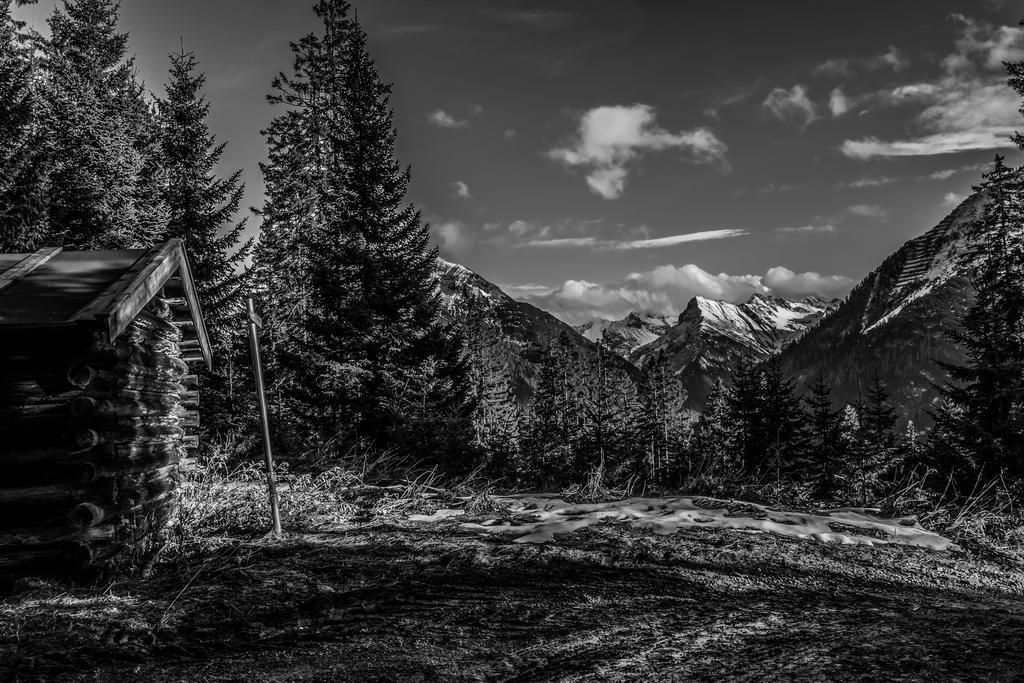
x=665, y=516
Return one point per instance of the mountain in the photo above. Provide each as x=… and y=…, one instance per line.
x=894, y=322
x=506, y=339
x=711, y=336
x=626, y=335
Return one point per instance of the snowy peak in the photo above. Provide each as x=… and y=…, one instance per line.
x=762, y=323
x=711, y=336
x=628, y=334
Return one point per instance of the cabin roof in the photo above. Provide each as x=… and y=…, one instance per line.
x=53, y=288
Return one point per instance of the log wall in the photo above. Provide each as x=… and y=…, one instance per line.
x=91, y=436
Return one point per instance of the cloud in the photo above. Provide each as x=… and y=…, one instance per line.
x=837, y=103
x=609, y=138
x=461, y=189
x=629, y=245
x=862, y=183
x=772, y=188
x=787, y=284
x=808, y=229
x=892, y=58
x=834, y=67
x=867, y=211
x=453, y=237
x=994, y=45
x=929, y=145
x=967, y=107
x=510, y=133
x=445, y=120
x=952, y=199
x=941, y=175
x=791, y=105
x=667, y=289
x=557, y=242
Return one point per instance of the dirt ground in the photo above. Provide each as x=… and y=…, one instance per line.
x=392, y=600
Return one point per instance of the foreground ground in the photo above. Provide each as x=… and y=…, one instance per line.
x=383, y=598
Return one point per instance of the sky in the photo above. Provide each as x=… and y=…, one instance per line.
x=600, y=156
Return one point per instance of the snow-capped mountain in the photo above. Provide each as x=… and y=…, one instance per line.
x=626, y=335
x=894, y=322
x=711, y=336
x=505, y=338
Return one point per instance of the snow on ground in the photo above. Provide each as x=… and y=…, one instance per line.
x=542, y=517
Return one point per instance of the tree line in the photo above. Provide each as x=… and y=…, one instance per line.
x=359, y=356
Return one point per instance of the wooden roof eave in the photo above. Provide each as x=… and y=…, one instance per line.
x=123, y=300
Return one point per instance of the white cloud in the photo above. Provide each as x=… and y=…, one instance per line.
x=791, y=105
x=941, y=175
x=868, y=211
x=628, y=245
x=667, y=289
x=808, y=229
x=476, y=109
x=461, y=189
x=557, y=242
x=837, y=103
x=968, y=107
x=834, y=67
x=673, y=240
x=510, y=133
x=610, y=137
x=453, y=237
x=892, y=58
x=993, y=44
x=861, y=183
x=929, y=145
x=787, y=284
x=952, y=199
x=445, y=120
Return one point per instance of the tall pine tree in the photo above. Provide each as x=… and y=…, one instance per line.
x=201, y=204
x=980, y=425
x=23, y=157
x=362, y=351
x=825, y=443
x=105, y=181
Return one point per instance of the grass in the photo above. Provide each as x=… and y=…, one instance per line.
x=354, y=577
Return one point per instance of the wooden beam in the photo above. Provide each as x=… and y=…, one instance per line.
x=188, y=284
x=26, y=266
x=129, y=294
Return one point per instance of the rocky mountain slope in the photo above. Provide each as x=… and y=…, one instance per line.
x=894, y=322
x=506, y=338
x=626, y=335
x=711, y=336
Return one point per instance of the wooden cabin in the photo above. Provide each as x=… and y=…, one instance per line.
x=98, y=404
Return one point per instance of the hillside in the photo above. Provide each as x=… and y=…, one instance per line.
x=894, y=322
x=506, y=338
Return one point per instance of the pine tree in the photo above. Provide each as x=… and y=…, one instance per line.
x=709, y=452
x=361, y=351
x=105, y=182
x=878, y=420
x=23, y=158
x=743, y=401
x=825, y=439
x=783, y=432
x=544, y=446
x=201, y=204
x=980, y=425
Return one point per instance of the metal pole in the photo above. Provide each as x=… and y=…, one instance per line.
x=255, y=322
